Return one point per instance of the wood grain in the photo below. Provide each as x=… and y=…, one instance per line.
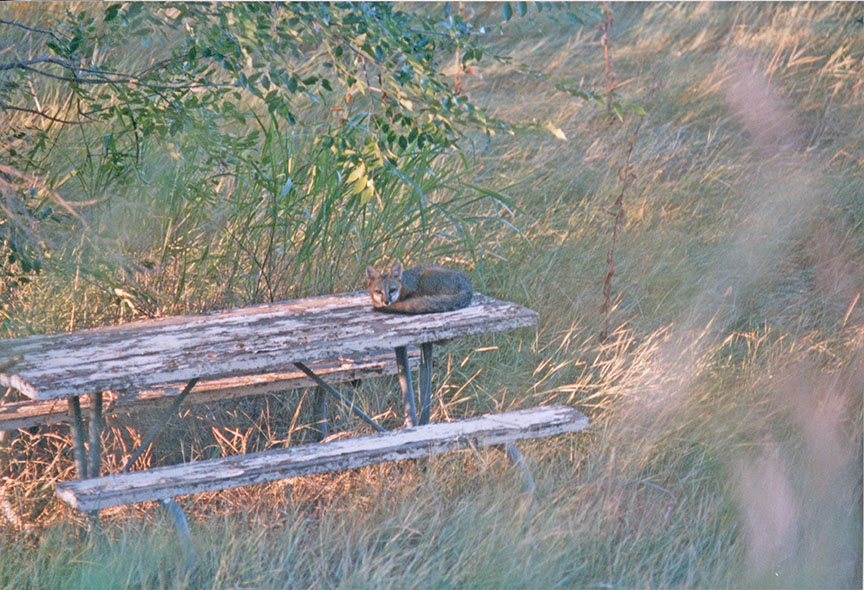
x=217, y=474
x=246, y=341
x=24, y=414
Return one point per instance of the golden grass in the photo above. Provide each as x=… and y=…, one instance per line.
x=726, y=403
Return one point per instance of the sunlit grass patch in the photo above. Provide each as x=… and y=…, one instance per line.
x=726, y=400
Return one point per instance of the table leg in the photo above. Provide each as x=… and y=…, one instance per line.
x=323, y=426
x=94, y=465
x=182, y=526
x=76, y=424
x=95, y=426
x=425, y=382
x=407, y=387
x=519, y=463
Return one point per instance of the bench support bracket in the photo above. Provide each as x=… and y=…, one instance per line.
x=161, y=424
x=170, y=505
x=332, y=391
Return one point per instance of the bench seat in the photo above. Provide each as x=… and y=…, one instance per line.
x=162, y=483
x=24, y=414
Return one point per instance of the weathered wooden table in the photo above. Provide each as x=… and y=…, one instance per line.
x=165, y=358
x=249, y=351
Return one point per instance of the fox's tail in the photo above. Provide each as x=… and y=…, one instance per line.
x=429, y=303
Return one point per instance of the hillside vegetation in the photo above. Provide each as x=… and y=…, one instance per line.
x=723, y=374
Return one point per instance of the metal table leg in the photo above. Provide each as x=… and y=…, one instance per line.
x=425, y=382
x=407, y=387
x=323, y=426
x=518, y=461
x=76, y=424
x=95, y=425
x=94, y=465
x=87, y=467
x=182, y=526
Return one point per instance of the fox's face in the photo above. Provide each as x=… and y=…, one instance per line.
x=384, y=289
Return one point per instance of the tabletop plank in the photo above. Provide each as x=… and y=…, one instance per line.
x=243, y=341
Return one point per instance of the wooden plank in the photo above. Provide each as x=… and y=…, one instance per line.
x=24, y=414
x=230, y=472
x=246, y=341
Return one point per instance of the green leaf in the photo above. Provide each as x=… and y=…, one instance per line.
x=634, y=107
x=359, y=171
x=507, y=11
x=286, y=188
x=522, y=7
x=111, y=12
x=359, y=185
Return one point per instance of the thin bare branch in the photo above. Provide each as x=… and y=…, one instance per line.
x=10, y=107
x=626, y=176
x=33, y=29
x=101, y=76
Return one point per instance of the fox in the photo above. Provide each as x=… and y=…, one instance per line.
x=427, y=288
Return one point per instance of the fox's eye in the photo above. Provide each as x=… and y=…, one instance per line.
x=393, y=292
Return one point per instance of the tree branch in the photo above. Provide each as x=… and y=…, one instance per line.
x=103, y=77
x=34, y=29
x=5, y=106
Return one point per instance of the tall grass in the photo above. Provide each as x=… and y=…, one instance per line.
x=726, y=402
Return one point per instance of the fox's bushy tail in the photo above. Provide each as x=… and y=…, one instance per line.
x=430, y=303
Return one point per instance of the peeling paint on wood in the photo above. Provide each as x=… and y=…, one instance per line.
x=246, y=341
x=24, y=414
x=409, y=443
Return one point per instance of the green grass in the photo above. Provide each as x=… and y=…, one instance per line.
x=726, y=404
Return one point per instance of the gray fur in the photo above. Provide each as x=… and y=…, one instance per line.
x=427, y=288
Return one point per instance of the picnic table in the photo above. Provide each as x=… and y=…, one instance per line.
x=248, y=351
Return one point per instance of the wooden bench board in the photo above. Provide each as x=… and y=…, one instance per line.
x=246, y=341
x=162, y=483
x=24, y=414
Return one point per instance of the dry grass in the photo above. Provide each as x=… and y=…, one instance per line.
x=726, y=402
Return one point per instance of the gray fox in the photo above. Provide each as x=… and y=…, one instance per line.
x=427, y=288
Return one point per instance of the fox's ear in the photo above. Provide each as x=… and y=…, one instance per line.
x=396, y=271
x=372, y=274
